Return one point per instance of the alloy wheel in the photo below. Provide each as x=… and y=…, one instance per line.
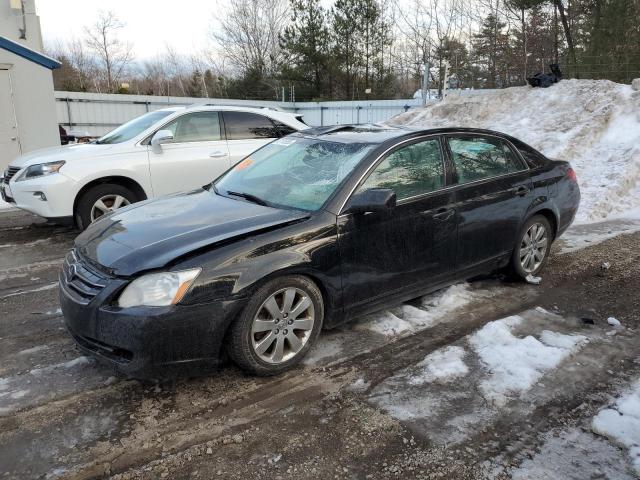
x=533, y=247
x=107, y=204
x=283, y=325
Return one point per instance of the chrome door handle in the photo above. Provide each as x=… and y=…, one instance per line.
x=218, y=154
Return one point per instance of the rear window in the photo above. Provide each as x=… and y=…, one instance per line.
x=245, y=126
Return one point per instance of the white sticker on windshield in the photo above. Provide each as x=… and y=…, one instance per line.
x=285, y=141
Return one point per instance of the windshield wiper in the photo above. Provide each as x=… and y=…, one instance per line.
x=248, y=196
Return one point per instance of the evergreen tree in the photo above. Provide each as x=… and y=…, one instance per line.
x=305, y=43
x=347, y=47
x=490, y=45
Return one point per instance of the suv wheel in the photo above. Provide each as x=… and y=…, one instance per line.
x=277, y=327
x=100, y=200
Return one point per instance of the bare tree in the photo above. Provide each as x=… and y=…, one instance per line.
x=249, y=34
x=113, y=55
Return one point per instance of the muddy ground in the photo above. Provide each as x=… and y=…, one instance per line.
x=357, y=408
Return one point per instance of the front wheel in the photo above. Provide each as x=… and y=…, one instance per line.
x=277, y=327
x=532, y=249
x=102, y=199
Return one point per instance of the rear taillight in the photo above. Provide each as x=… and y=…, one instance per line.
x=571, y=175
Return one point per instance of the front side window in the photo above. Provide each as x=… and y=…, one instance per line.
x=410, y=171
x=195, y=127
x=294, y=172
x=134, y=127
x=246, y=126
x=476, y=158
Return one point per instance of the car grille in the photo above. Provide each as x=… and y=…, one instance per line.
x=10, y=172
x=80, y=281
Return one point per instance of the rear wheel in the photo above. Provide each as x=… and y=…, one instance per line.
x=102, y=199
x=532, y=250
x=277, y=327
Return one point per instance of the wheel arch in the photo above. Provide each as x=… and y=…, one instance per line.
x=126, y=182
x=550, y=215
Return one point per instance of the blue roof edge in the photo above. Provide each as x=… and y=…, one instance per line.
x=29, y=54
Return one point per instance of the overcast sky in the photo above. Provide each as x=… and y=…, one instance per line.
x=150, y=24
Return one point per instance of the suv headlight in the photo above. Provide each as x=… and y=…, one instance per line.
x=158, y=289
x=40, y=170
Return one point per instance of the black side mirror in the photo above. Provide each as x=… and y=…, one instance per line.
x=372, y=200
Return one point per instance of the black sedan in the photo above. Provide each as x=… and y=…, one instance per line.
x=312, y=230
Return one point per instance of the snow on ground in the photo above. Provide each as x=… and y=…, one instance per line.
x=375, y=330
x=4, y=205
x=582, y=236
x=574, y=455
x=444, y=365
x=595, y=124
x=621, y=424
x=406, y=318
x=515, y=364
x=462, y=387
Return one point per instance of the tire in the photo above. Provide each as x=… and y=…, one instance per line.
x=244, y=342
x=524, y=260
x=105, y=191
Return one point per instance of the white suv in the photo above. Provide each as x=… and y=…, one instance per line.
x=161, y=152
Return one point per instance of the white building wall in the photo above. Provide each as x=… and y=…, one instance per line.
x=33, y=103
x=12, y=20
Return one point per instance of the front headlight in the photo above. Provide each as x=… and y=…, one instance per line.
x=40, y=170
x=158, y=289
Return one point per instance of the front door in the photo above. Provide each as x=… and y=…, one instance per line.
x=9, y=140
x=196, y=157
x=492, y=198
x=385, y=254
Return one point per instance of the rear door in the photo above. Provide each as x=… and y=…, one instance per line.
x=493, y=195
x=246, y=132
x=197, y=155
x=9, y=141
x=388, y=253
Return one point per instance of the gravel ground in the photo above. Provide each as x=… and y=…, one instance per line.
x=354, y=410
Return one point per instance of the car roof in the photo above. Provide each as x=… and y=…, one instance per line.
x=271, y=112
x=379, y=133
x=211, y=106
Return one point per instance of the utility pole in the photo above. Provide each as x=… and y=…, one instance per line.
x=445, y=83
x=425, y=83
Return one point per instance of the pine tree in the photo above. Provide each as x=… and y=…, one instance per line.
x=489, y=48
x=347, y=47
x=305, y=43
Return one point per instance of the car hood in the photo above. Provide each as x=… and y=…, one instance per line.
x=151, y=234
x=66, y=153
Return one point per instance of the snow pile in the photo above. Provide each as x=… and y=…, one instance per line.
x=516, y=364
x=443, y=365
x=621, y=424
x=4, y=205
x=595, y=124
x=408, y=319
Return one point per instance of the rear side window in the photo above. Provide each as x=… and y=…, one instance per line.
x=284, y=129
x=532, y=157
x=477, y=158
x=410, y=171
x=245, y=126
x=195, y=127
